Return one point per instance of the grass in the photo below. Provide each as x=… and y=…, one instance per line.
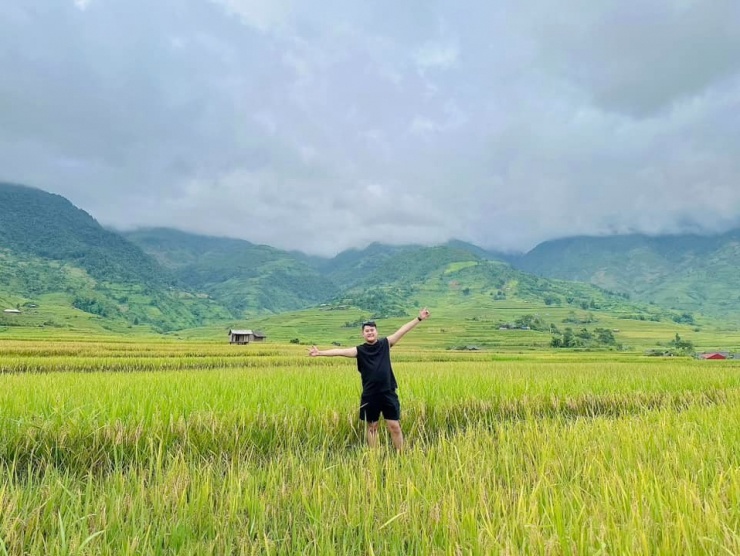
x=460, y=321
x=465, y=313
x=148, y=447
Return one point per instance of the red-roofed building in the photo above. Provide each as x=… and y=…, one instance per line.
x=715, y=355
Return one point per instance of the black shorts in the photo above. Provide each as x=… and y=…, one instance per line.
x=372, y=405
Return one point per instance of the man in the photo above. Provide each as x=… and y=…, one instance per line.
x=378, y=382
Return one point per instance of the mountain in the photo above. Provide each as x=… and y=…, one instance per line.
x=244, y=277
x=389, y=262
x=684, y=272
x=249, y=278
x=479, y=251
x=60, y=265
x=381, y=280
x=52, y=254
x=444, y=271
x=352, y=266
x=41, y=224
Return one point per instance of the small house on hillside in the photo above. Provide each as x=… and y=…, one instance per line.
x=715, y=355
x=12, y=312
x=245, y=336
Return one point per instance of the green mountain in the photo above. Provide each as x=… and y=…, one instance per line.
x=381, y=281
x=392, y=262
x=40, y=224
x=683, y=272
x=353, y=266
x=54, y=256
x=62, y=269
x=443, y=271
x=244, y=277
x=484, y=304
x=479, y=251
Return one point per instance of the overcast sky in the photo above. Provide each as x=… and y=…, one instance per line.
x=324, y=125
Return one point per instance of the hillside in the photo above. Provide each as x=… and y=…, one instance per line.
x=483, y=304
x=440, y=272
x=352, y=266
x=244, y=277
x=63, y=270
x=382, y=263
x=684, y=272
x=41, y=224
x=67, y=270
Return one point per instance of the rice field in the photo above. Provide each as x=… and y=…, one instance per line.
x=191, y=448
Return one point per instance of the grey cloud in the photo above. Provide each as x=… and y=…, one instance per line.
x=640, y=57
x=326, y=125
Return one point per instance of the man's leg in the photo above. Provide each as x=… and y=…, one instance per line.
x=372, y=434
x=370, y=413
x=394, y=427
x=392, y=412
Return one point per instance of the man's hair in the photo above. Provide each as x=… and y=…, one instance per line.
x=368, y=323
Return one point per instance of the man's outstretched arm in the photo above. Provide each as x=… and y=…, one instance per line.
x=398, y=334
x=345, y=352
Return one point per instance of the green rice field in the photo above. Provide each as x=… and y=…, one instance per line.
x=181, y=447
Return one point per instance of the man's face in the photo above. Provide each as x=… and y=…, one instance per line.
x=370, y=333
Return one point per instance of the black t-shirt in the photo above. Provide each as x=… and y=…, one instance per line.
x=374, y=365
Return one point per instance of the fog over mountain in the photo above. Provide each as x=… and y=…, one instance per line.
x=321, y=126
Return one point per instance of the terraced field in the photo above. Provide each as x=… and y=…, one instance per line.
x=153, y=447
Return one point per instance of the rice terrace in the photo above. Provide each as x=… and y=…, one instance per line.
x=119, y=445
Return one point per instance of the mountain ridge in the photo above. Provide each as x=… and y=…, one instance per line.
x=172, y=279
x=684, y=271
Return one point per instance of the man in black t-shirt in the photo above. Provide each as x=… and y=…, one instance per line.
x=378, y=381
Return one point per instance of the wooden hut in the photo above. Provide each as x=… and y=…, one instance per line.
x=245, y=336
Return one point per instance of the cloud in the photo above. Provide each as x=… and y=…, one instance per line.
x=326, y=125
x=263, y=16
x=436, y=55
x=641, y=58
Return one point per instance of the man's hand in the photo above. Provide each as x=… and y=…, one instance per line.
x=398, y=334
x=336, y=352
